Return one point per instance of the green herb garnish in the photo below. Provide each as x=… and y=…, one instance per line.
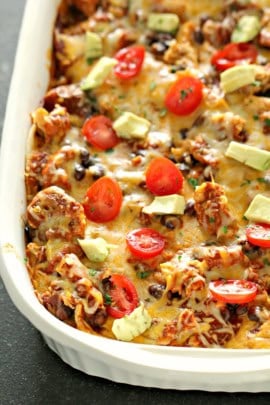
x=152, y=86
x=143, y=274
x=92, y=272
x=108, y=299
x=266, y=261
x=245, y=183
x=193, y=182
x=225, y=229
x=163, y=112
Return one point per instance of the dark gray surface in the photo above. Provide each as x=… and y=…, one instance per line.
x=29, y=372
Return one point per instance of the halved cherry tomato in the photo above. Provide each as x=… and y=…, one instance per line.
x=130, y=62
x=184, y=96
x=123, y=295
x=99, y=132
x=103, y=200
x=233, y=291
x=259, y=235
x=234, y=54
x=145, y=243
x=163, y=177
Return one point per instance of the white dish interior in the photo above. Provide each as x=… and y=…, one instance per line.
x=163, y=367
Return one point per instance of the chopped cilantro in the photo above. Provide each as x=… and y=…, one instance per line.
x=225, y=229
x=267, y=122
x=89, y=61
x=163, y=112
x=245, y=218
x=263, y=180
x=212, y=220
x=108, y=299
x=109, y=150
x=121, y=96
x=142, y=274
x=193, y=182
x=92, y=272
x=256, y=83
x=245, y=183
x=183, y=94
x=152, y=86
x=25, y=260
x=92, y=209
x=266, y=261
x=179, y=257
x=255, y=117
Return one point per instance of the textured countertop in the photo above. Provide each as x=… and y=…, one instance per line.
x=29, y=372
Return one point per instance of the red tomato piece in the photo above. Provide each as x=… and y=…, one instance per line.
x=103, y=200
x=184, y=96
x=99, y=132
x=233, y=291
x=145, y=243
x=259, y=235
x=130, y=61
x=163, y=177
x=234, y=54
x=123, y=295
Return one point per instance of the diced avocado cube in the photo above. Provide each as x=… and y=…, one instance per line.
x=99, y=73
x=259, y=209
x=237, y=77
x=168, y=204
x=132, y=325
x=163, y=22
x=247, y=28
x=96, y=250
x=249, y=155
x=129, y=126
x=93, y=43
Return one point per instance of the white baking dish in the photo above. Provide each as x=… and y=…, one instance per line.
x=163, y=367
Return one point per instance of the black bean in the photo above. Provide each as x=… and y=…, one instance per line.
x=28, y=234
x=253, y=313
x=171, y=295
x=79, y=172
x=198, y=36
x=190, y=207
x=97, y=171
x=156, y=290
x=86, y=159
x=184, y=133
x=170, y=221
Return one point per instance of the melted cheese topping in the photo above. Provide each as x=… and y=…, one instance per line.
x=204, y=244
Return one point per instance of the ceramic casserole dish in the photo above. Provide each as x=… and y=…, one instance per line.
x=227, y=370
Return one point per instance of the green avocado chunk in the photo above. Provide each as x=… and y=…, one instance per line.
x=94, y=48
x=164, y=22
x=259, y=209
x=249, y=155
x=96, y=250
x=129, y=126
x=99, y=73
x=168, y=204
